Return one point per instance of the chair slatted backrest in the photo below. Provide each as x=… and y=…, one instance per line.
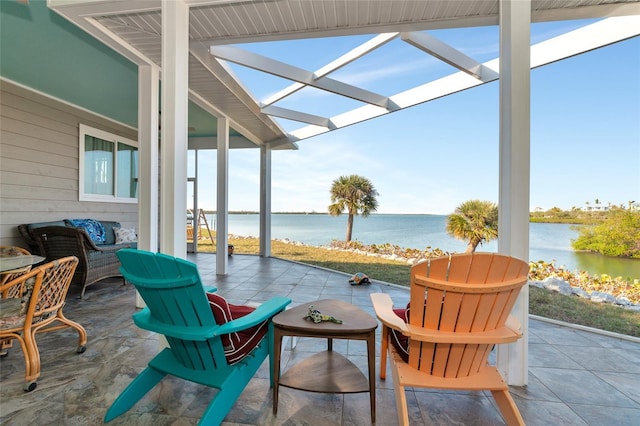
x=462, y=293
x=177, y=306
x=43, y=289
x=6, y=277
x=56, y=280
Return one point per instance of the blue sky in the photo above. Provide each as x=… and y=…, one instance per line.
x=585, y=130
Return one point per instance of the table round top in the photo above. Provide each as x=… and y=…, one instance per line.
x=11, y=263
x=354, y=319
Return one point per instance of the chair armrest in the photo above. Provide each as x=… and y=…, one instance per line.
x=383, y=305
x=60, y=241
x=89, y=244
x=263, y=312
x=105, y=249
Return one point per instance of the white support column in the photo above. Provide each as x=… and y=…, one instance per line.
x=265, y=200
x=196, y=206
x=175, y=69
x=148, y=90
x=222, y=203
x=515, y=117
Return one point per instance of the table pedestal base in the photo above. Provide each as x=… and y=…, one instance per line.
x=326, y=372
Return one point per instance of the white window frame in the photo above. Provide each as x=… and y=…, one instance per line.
x=109, y=137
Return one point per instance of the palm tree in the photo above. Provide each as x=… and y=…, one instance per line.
x=474, y=221
x=356, y=195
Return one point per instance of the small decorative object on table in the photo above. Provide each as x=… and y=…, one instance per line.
x=316, y=316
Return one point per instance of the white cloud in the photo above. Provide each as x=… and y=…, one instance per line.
x=302, y=179
x=366, y=75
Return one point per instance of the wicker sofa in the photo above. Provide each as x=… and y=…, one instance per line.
x=58, y=239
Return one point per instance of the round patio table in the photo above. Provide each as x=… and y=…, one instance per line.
x=11, y=263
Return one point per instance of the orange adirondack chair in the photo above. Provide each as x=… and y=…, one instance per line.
x=460, y=309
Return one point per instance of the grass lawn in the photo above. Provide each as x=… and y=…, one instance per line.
x=545, y=303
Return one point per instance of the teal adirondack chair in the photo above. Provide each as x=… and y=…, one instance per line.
x=177, y=307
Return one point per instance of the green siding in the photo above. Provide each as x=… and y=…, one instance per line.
x=42, y=50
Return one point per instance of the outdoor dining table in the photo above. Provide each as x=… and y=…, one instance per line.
x=12, y=263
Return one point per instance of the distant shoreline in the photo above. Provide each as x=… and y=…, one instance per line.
x=327, y=214
x=572, y=221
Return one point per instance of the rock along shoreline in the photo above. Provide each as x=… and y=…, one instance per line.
x=552, y=283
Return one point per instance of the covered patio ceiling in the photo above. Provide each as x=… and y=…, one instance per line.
x=218, y=28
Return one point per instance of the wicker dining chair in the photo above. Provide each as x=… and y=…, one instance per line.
x=8, y=251
x=32, y=303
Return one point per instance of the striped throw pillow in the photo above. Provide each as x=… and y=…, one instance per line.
x=240, y=344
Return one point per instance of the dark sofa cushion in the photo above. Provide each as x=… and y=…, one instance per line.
x=109, y=235
x=43, y=224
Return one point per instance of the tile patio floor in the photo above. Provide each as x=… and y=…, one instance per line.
x=576, y=377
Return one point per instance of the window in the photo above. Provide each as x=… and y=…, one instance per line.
x=108, y=167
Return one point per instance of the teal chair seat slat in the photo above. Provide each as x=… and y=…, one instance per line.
x=177, y=307
x=166, y=283
x=144, y=320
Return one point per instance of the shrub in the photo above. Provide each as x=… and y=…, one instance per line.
x=618, y=235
